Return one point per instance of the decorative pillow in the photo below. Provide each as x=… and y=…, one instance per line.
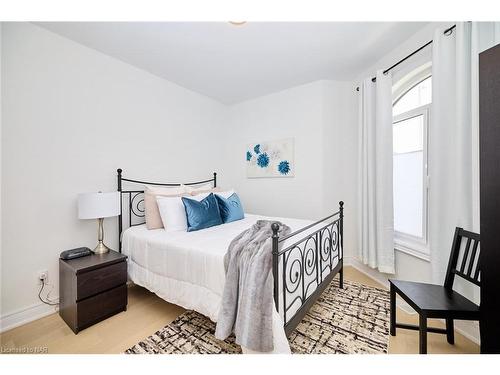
x=202, y=214
x=152, y=214
x=206, y=188
x=230, y=208
x=226, y=194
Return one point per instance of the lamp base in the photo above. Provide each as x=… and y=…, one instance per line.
x=101, y=248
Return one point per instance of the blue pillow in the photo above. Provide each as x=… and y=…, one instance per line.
x=202, y=214
x=230, y=208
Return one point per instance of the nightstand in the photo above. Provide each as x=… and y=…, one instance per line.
x=92, y=288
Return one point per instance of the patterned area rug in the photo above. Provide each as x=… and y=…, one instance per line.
x=347, y=321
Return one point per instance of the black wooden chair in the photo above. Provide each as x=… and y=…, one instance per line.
x=441, y=302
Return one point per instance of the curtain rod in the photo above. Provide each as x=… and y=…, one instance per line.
x=448, y=31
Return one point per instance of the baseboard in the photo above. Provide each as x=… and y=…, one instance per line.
x=363, y=268
x=469, y=329
x=26, y=315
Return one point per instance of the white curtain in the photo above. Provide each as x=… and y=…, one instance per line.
x=376, y=195
x=452, y=140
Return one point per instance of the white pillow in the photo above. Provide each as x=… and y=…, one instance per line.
x=173, y=213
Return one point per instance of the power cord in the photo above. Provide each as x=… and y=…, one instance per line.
x=48, y=301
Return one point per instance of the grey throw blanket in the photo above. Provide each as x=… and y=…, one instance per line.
x=247, y=301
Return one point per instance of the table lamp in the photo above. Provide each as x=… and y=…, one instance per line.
x=98, y=206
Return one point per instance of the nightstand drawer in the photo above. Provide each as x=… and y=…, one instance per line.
x=99, y=307
x=92, y=288
x=101, y=279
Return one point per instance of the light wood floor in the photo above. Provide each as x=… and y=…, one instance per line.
x=147, y=313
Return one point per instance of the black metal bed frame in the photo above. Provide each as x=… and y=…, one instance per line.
x=302, y=269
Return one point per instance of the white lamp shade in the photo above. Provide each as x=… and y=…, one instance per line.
x=98, y=205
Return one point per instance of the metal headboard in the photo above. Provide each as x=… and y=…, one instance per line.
x=136, y=200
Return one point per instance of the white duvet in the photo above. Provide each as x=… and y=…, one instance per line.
x=187, y=268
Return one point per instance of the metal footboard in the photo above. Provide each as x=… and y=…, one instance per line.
x=303, y=268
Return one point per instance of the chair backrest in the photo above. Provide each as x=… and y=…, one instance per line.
x=464, y=263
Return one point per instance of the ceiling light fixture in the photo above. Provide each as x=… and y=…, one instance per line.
x=237, y=23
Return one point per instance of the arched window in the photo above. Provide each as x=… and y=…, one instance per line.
x=411, y=111
x=418, y=95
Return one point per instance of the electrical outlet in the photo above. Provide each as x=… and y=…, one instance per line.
x=43, y=276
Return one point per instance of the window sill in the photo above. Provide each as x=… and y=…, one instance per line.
x=412, y=252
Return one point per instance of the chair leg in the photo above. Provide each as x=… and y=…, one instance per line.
x=393, y=311
x=450, y=331
x=423, y=334
x=341, y=278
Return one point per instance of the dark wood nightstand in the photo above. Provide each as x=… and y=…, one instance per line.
x=92, y=288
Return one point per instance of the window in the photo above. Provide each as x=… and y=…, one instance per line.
x=411, y=110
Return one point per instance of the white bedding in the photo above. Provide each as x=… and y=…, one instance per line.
x=187, y=268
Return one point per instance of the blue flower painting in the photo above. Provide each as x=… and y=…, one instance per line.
x=284, y=167
x=270, y=159
x=263, y=160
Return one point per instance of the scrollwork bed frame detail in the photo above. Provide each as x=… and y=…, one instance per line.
x=301, y=270
x=136, y=198
x=307, y=266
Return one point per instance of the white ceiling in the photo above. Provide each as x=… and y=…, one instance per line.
x=234, y=63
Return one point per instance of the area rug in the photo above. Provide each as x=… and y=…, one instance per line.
x=345, y=321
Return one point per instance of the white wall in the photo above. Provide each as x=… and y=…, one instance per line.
x=295, y=113
x=320, y=117
x=71, y=116
x=340, y=156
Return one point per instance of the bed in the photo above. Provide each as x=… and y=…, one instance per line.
x=187, y=268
